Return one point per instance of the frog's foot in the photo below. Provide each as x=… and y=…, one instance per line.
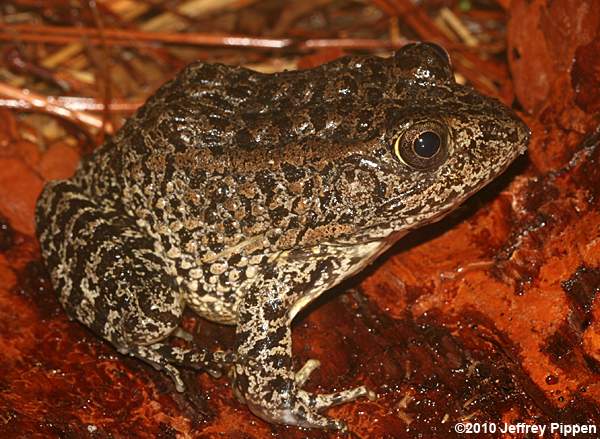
x=299, y=413
x=282, y=401
x=321, y=402
x=304, y=408
x=163, y=356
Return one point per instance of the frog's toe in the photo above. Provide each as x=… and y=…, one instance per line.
x=218, y=361
x=215, y=373
x=304, y=373
x=183, y=334
x=320, y=402
x=175, y=376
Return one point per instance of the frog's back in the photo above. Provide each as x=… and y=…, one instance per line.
x=223, y=108
x=213, y=118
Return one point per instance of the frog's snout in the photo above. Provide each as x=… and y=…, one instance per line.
x=517, y=130
x=523, y=134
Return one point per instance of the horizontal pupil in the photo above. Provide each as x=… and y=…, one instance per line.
x=427, y=144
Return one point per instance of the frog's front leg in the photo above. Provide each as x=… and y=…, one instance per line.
x=264, y=378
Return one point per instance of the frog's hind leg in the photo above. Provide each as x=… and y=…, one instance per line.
x=111, y=278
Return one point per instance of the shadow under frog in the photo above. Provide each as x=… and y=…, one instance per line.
x=244, y=196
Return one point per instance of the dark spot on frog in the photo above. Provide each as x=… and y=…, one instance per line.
x=252, y=119
x=244, y=139
x=364, y=122
x=248, y=222
x=279, y=214
x=344, y=108
x=216, y=247
x=267, y=185
x=318, y=117
x=206, y=74
x=211, y=214
x=230, y=227
x=284, y=125
x=373, y=95
x=292, y=173
x=393, y=117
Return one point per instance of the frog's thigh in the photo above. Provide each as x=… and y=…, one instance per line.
x=263, y=372
x=110, y=278
x=123, y=280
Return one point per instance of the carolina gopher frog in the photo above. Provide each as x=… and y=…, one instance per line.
x=245, y=195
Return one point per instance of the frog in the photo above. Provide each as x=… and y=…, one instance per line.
x=243, y=196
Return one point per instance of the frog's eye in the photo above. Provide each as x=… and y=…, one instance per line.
x=427, y=144
x=423, y=146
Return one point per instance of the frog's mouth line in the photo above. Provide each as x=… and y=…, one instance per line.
x=426, y=216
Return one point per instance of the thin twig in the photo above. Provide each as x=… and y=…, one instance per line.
x=74, y=103
x=120, y=37
x=40, y=102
